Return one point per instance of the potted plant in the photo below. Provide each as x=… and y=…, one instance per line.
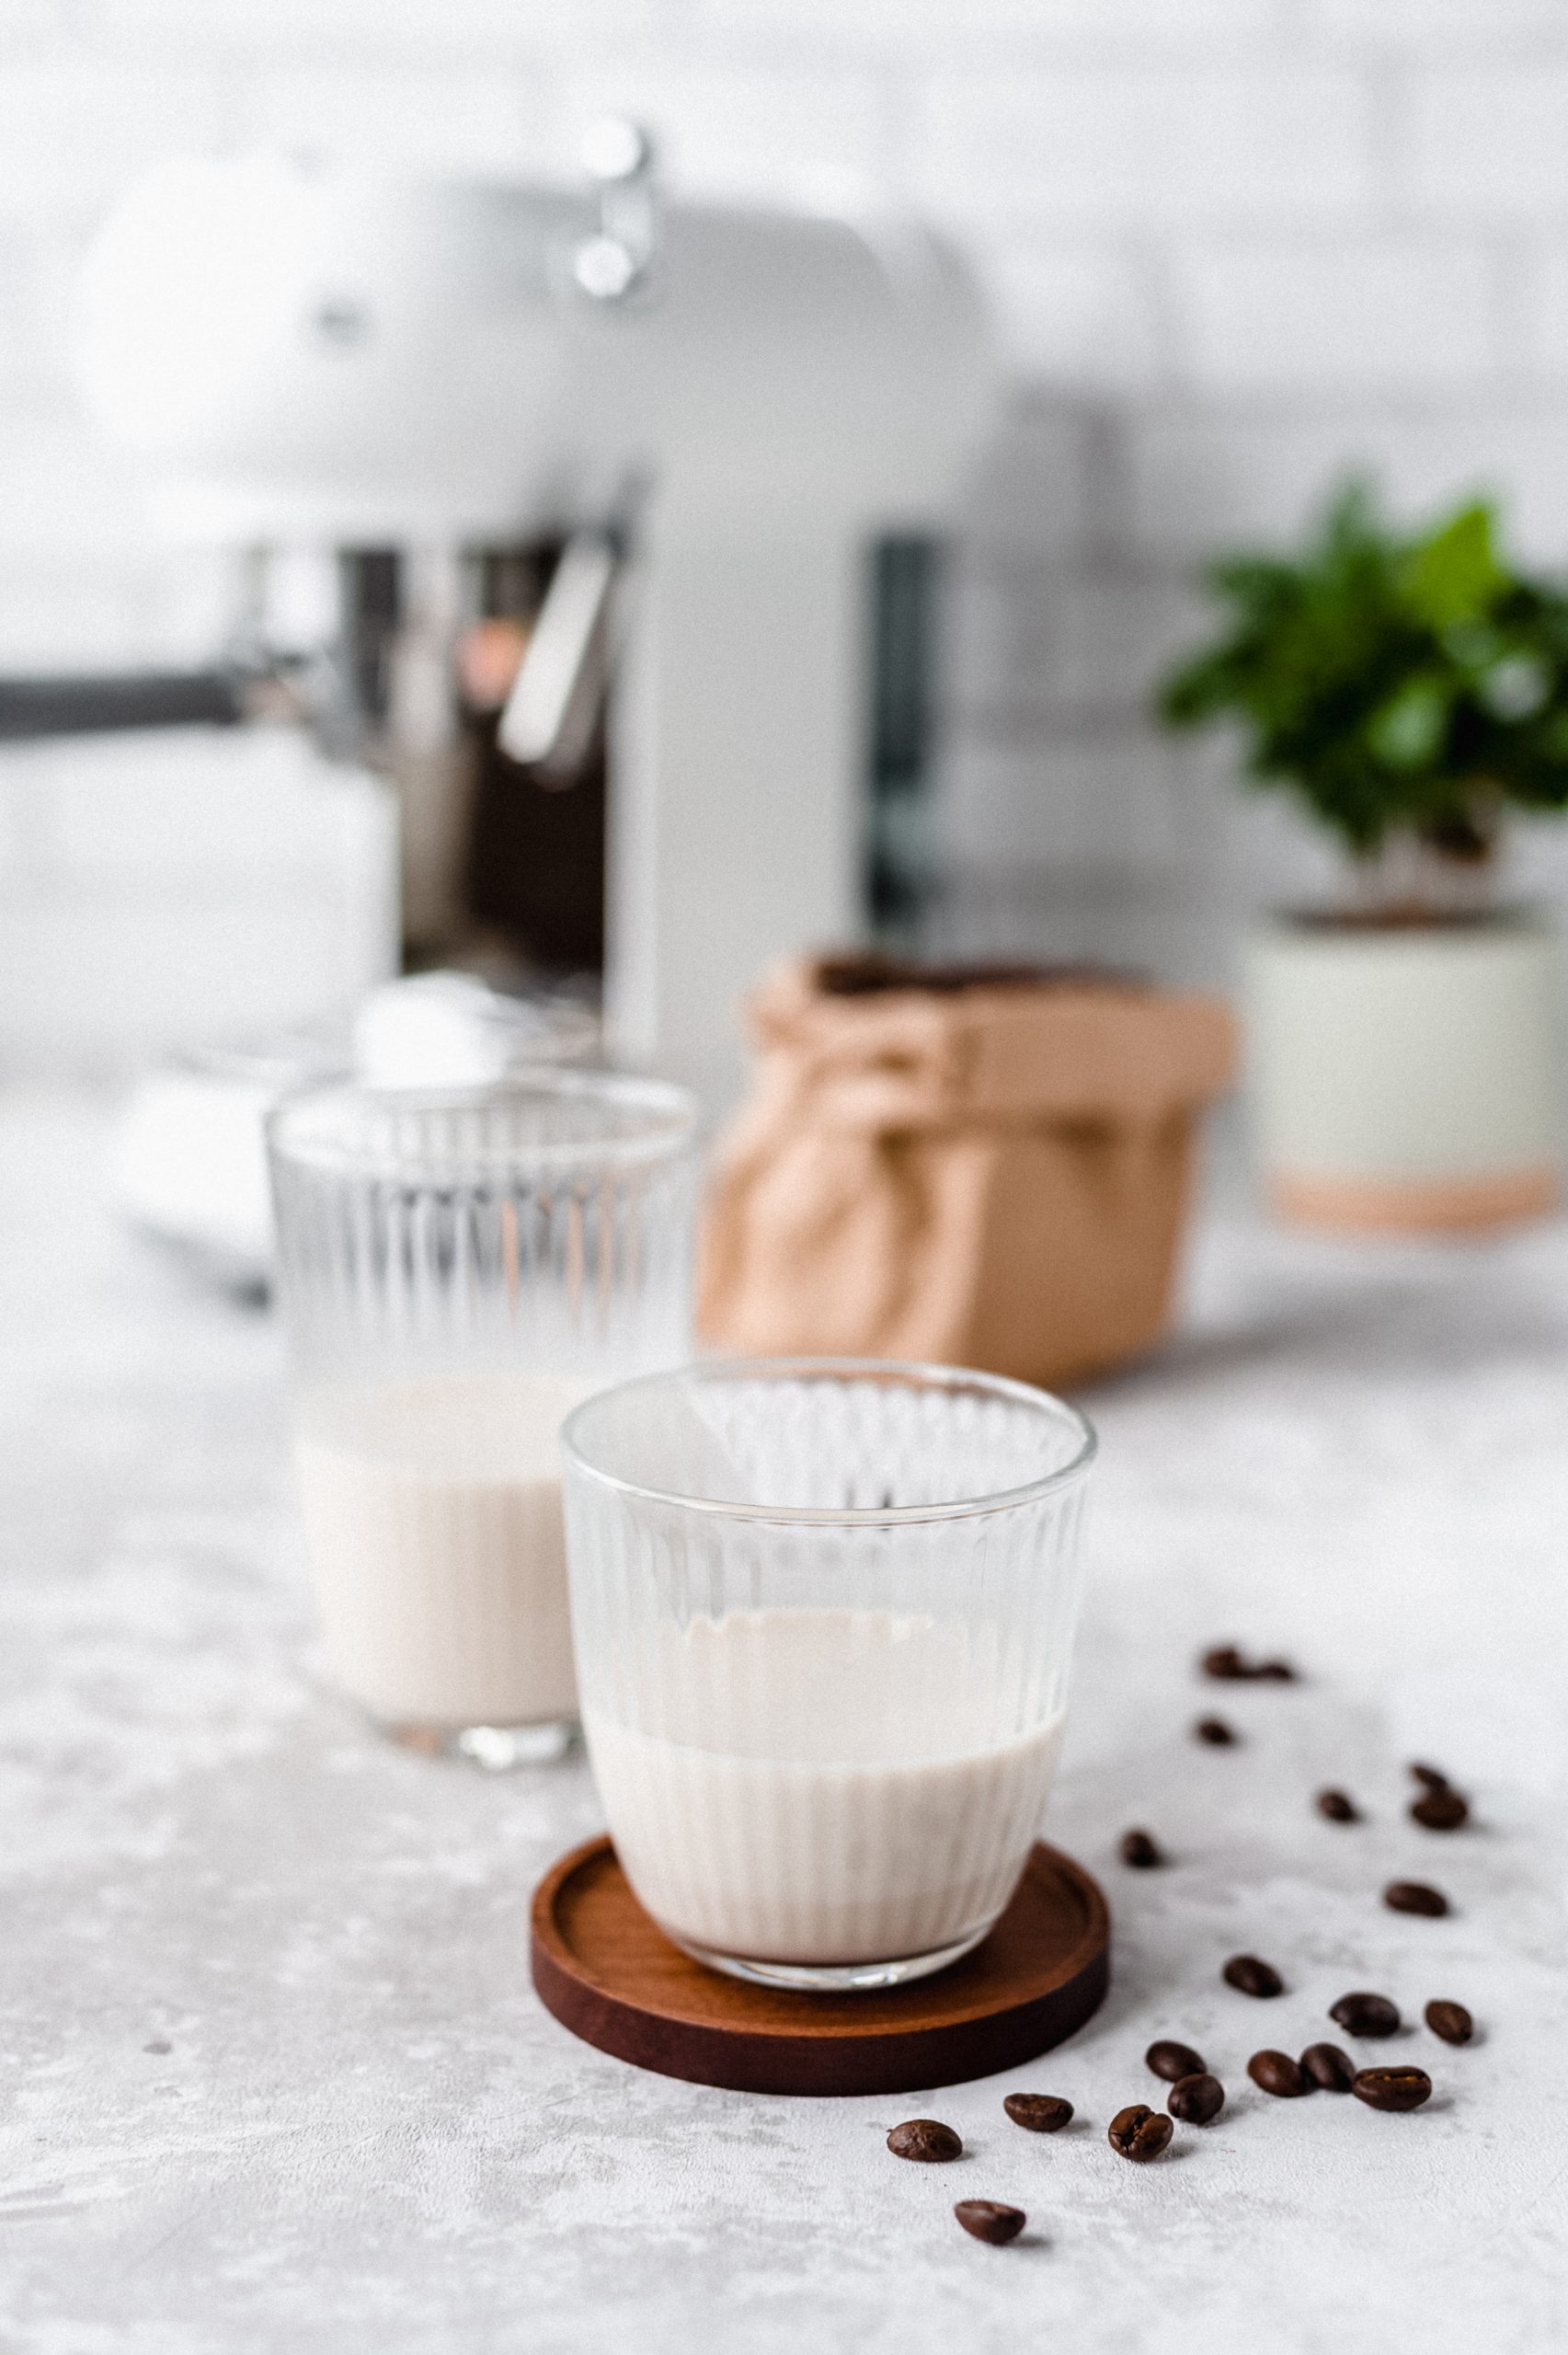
x=1409, y=688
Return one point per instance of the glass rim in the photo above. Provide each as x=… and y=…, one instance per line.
x=909, y=1372
x=674, y=1122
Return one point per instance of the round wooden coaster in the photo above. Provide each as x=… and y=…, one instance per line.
x=607, y=1973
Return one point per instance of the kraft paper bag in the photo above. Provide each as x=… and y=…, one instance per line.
x=977, y=1167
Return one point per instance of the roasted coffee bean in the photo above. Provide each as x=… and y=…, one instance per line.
x=1442, y=1811
x=1403, y=2088
x=1330, y=2069
x=1228, y=1664
x=1039, y=2113
x=1415, y=1897
x=1360, y=2014
x=1339, y=1806
x=1215, y=1733
x=1171, y=2060
x=1251, y=1977
x=924, y=2138
x=1140, y=2132
x=1450, y=2021
x=1430, y=1777
x=1275, y=2072
x=1196, y=2100
x=991, y=2220
x=1140, y=1850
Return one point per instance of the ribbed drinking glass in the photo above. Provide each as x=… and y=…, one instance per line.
x=458, y=1270
x=824, y=1613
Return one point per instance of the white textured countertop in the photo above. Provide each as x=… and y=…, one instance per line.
x=272, y=2076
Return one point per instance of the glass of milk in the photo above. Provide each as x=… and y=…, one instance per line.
x=458, y=1269
x=824, y=1613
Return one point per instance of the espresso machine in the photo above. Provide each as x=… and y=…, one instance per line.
x=607, y=522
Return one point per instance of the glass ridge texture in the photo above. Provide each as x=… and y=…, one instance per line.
x=457, y=1269
x=824, y=1614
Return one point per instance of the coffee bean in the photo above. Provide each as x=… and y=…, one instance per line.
x=1140, y=1850
x=924, y=2138
x=1330, y=2069
x=1360, y=2014
x=1251, y=1977
x=1442, y=1811
x=1404, y=2088
x=1196, y=2100
x=1038, y=2113
x=991, y=2220
x=1450, y=2021
x=1275, y=2072
x=1215, y=1733
x=1415, y=1897
x=1140, y=2132
x=1339, y=1806
x=1172, y=2061
x=1228, y=1664
x=1430, y=1777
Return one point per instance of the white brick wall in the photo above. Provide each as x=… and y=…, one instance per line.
x=1238, y=245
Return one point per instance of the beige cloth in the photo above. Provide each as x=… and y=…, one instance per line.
x=992, y=1175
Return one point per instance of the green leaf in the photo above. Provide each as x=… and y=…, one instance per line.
x=1454, y=576
x=1407, y=730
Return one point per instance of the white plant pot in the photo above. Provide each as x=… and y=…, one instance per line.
x=1405, y=1079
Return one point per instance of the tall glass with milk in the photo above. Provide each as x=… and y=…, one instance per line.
x=459, y=1269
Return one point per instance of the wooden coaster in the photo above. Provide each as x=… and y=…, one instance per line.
x=607, y=1973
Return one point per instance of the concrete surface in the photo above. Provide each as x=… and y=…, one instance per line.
x=272, y=2073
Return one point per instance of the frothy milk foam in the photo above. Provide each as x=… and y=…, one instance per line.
x=824, y=1786
x=432, y=1513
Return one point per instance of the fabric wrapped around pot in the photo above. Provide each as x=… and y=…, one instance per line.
x=987, y=1168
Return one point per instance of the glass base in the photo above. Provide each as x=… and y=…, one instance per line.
x=497, y=1749
x=834, y=1978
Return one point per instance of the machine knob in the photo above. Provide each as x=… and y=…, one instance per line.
x=613, y=263
x=615, y=148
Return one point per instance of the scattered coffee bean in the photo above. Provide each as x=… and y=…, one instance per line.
x=1360, y=2014
x=1339, y=1806
x=1215, y=1733
x=1415, y=1897
x=924, y=2138
x=1251, y=1977
x=991, y=2220
x=1330, y=2069
x=1038, y=2113
x=1140, y=1850
x=1228, y=1664
x=1140, y=2132
x=1430, y=1777
x=1451, y=2022
x=1441, y=1811
x=1404, y=2088
x=1196, y=2101
x=1277, y=2074
x=1172, y=2061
